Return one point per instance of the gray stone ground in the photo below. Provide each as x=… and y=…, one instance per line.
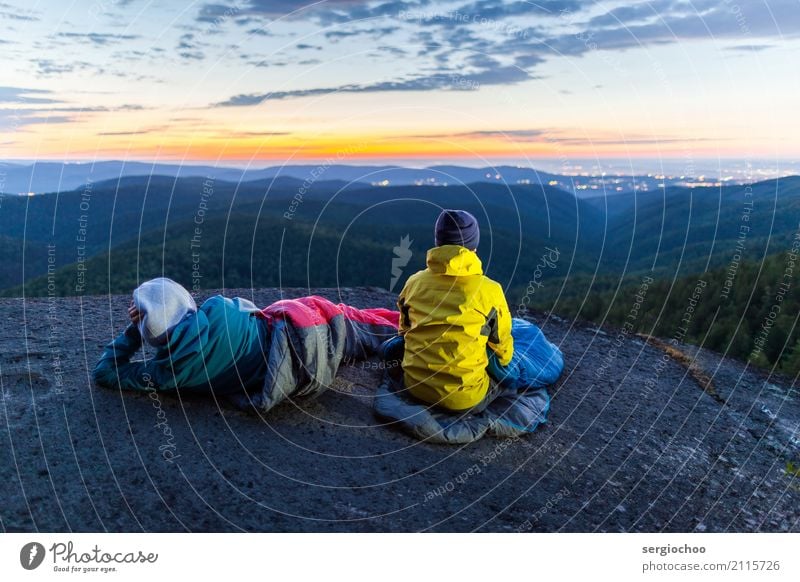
x=626, y=448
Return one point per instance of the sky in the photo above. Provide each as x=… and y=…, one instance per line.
x=474, y=81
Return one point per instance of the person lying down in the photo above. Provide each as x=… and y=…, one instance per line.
x=231, y=348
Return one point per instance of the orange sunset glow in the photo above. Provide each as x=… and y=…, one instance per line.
x=250, y=83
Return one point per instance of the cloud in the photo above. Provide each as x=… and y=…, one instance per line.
x=497, y=9
x=503, y=42
x=25, y=96
x=516, y=134
x=322, y=11
x=47, y=67
x=490, y=13
x=75, y=109
x=245, y=100
x=192, y=56
x=98, y=38
x=392, y=50
x=17, y=119
x=216, y=14
x=634, y=14
x=563, y=137
x=670, y=21
x=186, y=41
x=250, y=134
x=750, y=47
x=9, y=12
x=123, y=133
x=189, y=48
x=264, y=63
x=277, y=8
x=522, y=135
x=634, y=140
x=36, y=107
x=634, y=25
x=441, y=81
x=335, y=35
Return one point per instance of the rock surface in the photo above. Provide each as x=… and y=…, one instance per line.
x=633, y=443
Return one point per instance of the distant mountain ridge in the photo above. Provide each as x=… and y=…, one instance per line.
x=43, y=177
x=675, y=232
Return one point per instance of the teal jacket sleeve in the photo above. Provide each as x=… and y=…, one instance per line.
x=116, y=370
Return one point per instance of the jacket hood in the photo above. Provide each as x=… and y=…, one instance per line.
x=454, y=260
x=163, y=304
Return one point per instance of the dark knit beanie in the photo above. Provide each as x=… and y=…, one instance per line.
x=457, y=227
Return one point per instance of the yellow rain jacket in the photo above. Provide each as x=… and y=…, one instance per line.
x=448, y=314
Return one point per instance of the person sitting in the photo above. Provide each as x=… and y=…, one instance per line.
x=449, y=314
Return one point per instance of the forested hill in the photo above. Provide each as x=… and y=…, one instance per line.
x=274, y=233
x=746, y=310
x=549, y=249
x=669, y=233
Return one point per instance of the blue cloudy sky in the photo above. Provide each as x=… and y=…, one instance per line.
x=468, y=79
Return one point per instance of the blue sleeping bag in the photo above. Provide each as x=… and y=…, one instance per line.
x=521, y=406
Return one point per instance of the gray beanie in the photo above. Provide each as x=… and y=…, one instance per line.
x=162, y=304
x=457, y=227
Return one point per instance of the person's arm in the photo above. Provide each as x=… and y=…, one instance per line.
x=500, y=340
x=115, y=369
x=405, y=321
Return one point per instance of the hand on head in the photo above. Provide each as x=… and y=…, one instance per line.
x=134, y=314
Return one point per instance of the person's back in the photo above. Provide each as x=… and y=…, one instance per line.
x=450, y=313
x=218, y=347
